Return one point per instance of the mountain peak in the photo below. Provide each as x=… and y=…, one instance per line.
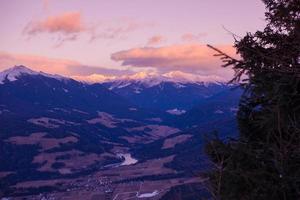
x=19, y=69
x=13, y=73
x=150, y=79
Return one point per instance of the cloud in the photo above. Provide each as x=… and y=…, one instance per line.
x=78, y=71
x=188, y=58
x=117, y=28
x=155, y=40
x=65, y=26
x=69, y=26
x=190, y=37
x=114, y=32
x=68, y=23
x=54, y=66
x=45, y=4
x=86, y=70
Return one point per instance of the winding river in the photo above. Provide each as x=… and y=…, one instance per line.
x=128, y=159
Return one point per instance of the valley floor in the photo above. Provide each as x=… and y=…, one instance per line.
x=137, y=181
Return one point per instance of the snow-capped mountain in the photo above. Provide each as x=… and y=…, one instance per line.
x=173, y=93
x=149, y=79
x=28, y=91
x=170, y=91
x=13, y=73
x=165, y=94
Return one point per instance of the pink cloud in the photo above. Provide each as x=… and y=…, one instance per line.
x=65, y=23
x=69, y=25
x=190, y=37
x=189, y=58
x=66, y=27
x=155, y=40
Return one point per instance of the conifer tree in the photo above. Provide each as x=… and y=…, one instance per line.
x=264, y=161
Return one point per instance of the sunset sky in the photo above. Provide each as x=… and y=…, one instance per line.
x=116, y=37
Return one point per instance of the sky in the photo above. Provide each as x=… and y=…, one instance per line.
x=105, y=38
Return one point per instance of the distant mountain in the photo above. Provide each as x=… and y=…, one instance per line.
x=24, y=90
x=165, y=94
x=151, y=78
x=12, y=74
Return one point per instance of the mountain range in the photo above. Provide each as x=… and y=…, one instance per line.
x=55, y=127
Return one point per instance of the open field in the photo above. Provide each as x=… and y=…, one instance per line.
x=41, y=140
x=171, y=142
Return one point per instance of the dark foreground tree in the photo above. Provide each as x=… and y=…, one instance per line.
x=264, y=162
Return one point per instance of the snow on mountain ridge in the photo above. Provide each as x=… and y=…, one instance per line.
x=143, y=78
x=183, y=77
x=151, y=79
x=13, y=73
x=94, y=78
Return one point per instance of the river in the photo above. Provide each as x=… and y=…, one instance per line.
x=128, y=159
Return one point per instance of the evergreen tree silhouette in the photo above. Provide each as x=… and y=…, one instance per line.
x=264, y=161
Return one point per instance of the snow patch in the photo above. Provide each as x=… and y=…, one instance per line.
x=123, y=85
x=176, y=111
x=219, y=112
x=80, y=111
x=137, y=90
x=234, y=109
x=148, y=195
x=179, y=85
x=128, y=159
